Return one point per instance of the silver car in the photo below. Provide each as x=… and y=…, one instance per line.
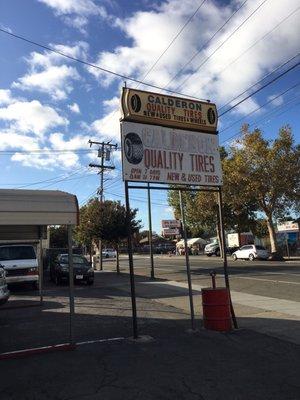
x=109, y=253
x=251, y=252
x=4, y=292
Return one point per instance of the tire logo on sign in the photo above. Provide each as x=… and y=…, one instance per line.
x=133, y=148
x=135, y=103
x=211, y=115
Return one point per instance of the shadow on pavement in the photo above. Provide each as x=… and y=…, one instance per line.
x=206, y=365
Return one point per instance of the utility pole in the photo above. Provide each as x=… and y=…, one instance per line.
x=104, y=151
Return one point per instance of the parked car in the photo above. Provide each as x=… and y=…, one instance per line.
x=109, y=253
x=164, y=248
x=20, y=263
x=212, y=249
x=83, y=272
x=4, y=292
x=251, y=252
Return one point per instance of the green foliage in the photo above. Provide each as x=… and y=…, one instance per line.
x=58, y=237
x=259, y=175
x=106, y=221
x=270, y=173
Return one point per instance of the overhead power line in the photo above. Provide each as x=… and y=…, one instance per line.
x=257, y=123
x=48, y=151
x=205, y=44
x=222, y=44
x=261, y=80
x=261, y=88
x=43, y=181
x=105, y=70
x=54, y=180
x=88, y=198
x=173, y=40
x=252, y=45
x=254, y=111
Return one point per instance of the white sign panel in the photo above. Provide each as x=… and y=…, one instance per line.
x=288, y=226
x=170, y=223
x=170, y=232
x=158, y=154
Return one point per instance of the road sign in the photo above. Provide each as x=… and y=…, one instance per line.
x=170, y=223
x=170, y=232
x=158, y=154
x=160, y=109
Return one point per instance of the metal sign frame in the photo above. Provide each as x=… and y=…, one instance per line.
x=130, y=250
x=130, y=113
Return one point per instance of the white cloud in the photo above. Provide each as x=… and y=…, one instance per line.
x=108, y=126
x=112, y=104
x=49, y=75
x=63, y=7
x=31, y=117
x=5, y=96
x=54, y=81
x=151, y=31
x=59, y=142
x=277, y=101
x=78, y=22
x=5, y=28
x=12, y=139
x=74, y=108
x=45, y=161
x=45, y=60
x=76, y=13
x=169, y=210
x=42, y=156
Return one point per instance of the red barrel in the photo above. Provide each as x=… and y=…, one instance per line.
x=216, y=309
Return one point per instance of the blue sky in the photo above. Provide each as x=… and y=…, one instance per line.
x=50, y=106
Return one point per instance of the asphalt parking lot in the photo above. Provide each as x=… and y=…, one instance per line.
x=260, y=360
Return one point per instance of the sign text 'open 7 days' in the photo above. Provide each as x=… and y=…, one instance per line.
x=159, y=154
x=155, y=108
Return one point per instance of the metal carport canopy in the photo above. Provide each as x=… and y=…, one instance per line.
x=23, y=215
x=37, y=207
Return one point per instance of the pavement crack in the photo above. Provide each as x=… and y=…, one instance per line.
x=189, y=389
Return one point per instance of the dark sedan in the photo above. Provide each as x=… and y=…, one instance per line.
x=83, y=272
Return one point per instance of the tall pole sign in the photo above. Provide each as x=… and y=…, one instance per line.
x=169, y=140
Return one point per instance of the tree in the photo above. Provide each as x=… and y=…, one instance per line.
x=106, y=221
x=260, y=177
x=84, y=231
x=58, y=237
x=267, y=173
x=202, y=210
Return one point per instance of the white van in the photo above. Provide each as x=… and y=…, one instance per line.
x=20, y=263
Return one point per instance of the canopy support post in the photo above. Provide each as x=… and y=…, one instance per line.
x=71, y=286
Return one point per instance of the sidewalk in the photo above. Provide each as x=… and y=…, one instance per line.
x=276, y=317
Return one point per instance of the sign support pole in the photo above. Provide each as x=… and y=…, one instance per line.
x=223, y=248
x=71, y=285
x=150, y=232
x=131, y=269
x=187, y=261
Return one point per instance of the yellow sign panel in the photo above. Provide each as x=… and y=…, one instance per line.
x=160, y=109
